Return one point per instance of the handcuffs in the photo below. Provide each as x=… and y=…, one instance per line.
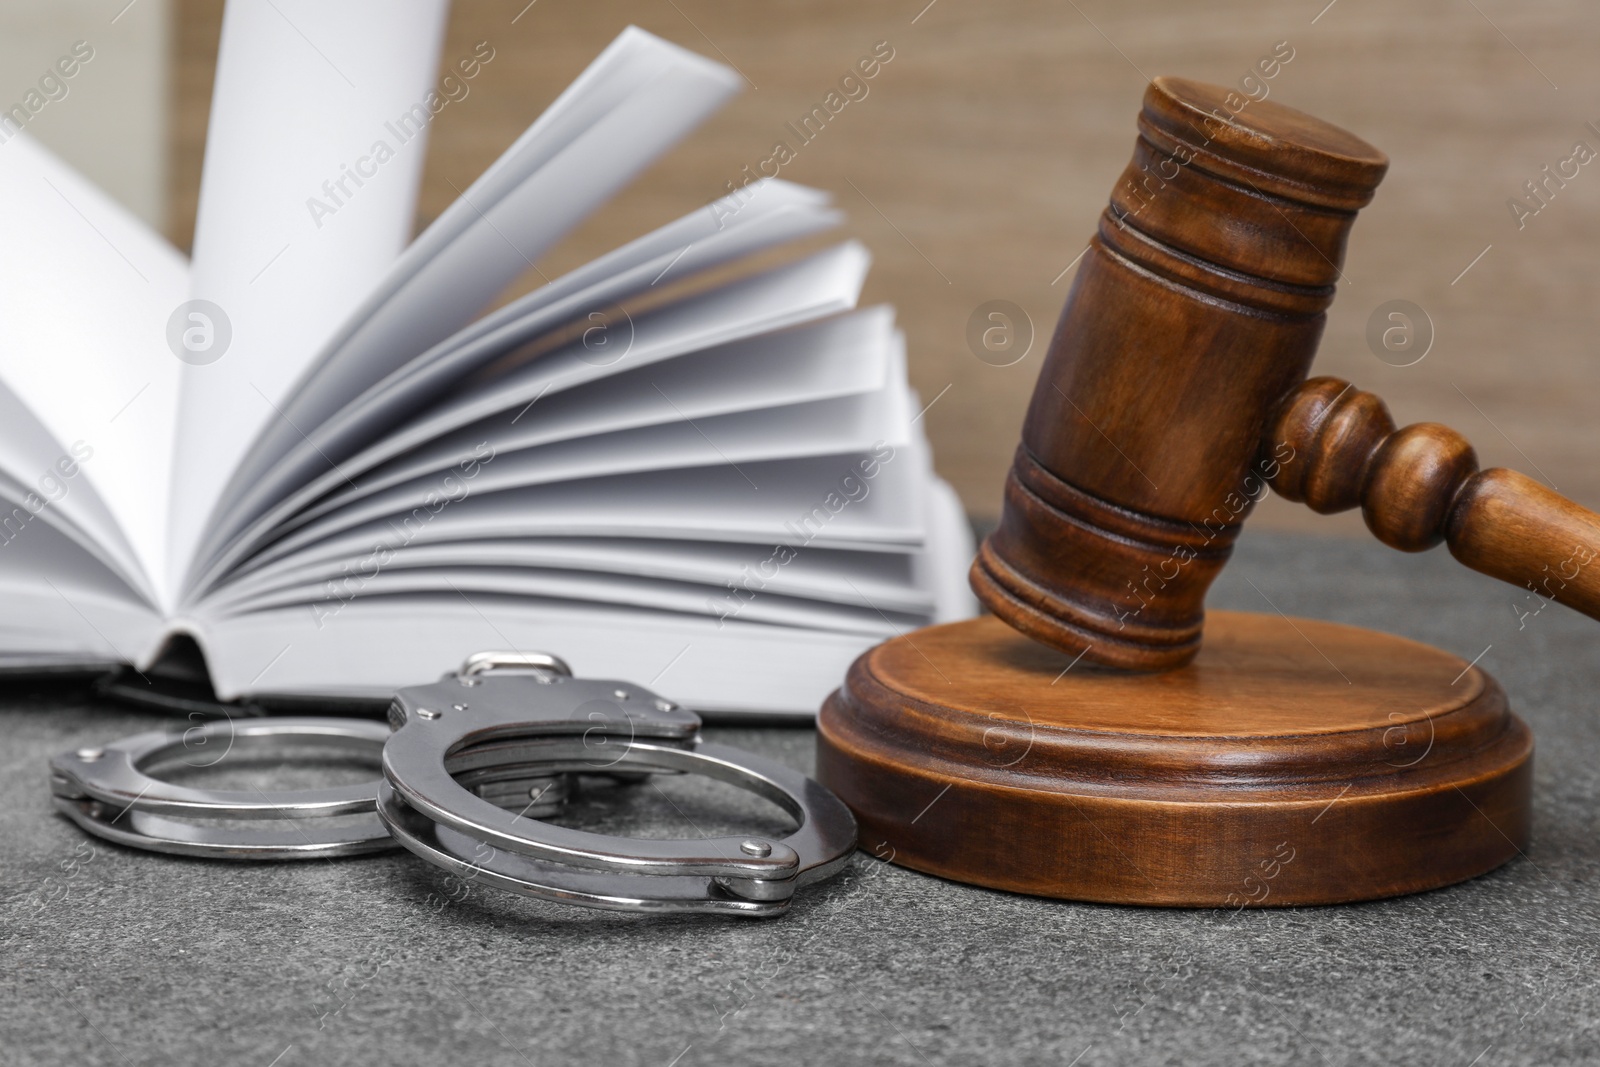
x=471, y=765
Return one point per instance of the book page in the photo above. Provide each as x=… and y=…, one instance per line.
x=686, y=599
x=866, y=502
x=942, y=566
x=63, y=603
x=640, y=97
x=696, y=242
x=845, y=356
x=326, y=576
x=839, y=426
x=86, y=295
x=42, y=484
x=306, y=91
x=376, y=645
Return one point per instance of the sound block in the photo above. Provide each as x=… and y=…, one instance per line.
x=1292, y=762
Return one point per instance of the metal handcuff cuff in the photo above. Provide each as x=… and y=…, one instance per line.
x=470, y=765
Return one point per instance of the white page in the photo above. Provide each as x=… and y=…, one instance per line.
x=64, y=603
x=776, y=318
x=373, y=647
x=824, y=501
x=654, y=94
x=685, y=599
x=823, y=284
x=492, y=521
x=942, y=567
x=304, y=88
x=44, y=626
x=892, y=580
x=840, y=427
x=847, y=356
x=23, y=517
x=42, y=481
x=85, y=293
x=782, y=214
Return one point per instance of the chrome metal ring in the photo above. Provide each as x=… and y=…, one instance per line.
x=109, y=792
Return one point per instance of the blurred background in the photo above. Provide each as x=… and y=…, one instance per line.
x=977, y=165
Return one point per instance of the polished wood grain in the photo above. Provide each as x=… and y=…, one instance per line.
x=1421, y=485
x=1292, y=762
x=1196, y=311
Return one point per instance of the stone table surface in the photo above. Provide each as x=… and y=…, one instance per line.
x=111, y=956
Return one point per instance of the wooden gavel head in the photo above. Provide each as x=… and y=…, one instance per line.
x=1174, y=393
x=1194, y=314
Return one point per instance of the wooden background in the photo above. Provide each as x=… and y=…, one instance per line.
x=976, y=167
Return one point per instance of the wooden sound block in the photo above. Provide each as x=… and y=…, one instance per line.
x=1292, y=762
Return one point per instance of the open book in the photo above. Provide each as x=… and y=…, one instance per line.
x=311, y=451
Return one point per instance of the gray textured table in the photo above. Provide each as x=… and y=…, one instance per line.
x=129, y=958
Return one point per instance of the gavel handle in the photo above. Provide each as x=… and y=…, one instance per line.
x=1335, y=447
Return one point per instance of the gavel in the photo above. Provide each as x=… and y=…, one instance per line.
x=1252, y=771
x=1175, y=392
